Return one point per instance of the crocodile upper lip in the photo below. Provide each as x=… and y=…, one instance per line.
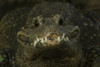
x=50, y=39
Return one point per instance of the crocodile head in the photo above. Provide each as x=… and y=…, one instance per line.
x=50, y=37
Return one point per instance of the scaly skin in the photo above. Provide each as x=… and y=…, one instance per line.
x=10, y=24
x=54, y=35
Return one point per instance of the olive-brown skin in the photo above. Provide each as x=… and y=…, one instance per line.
x=45, y=18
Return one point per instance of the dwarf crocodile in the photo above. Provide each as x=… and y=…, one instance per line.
x=50, y=35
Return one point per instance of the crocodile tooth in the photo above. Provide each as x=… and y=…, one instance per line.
x=35, y=42
x=42, y=41
x=58, y=39
x=45, y=39
x=63, y=36
x=37, y=39
x=67, y=39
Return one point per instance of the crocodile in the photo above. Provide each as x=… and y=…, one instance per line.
x=49, y=35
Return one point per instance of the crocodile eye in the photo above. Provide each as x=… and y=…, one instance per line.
x=60, y=22
x=36, y=23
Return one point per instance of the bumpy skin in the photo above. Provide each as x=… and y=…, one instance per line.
x=39, y=44
x=96, y=18
x=10, y=24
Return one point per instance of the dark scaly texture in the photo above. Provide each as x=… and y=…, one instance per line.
x=95, y=17
x=9, y=58
x=51, y=20
x=8, y=32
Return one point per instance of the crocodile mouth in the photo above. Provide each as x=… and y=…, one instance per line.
x=51, y=43
x=50, y=39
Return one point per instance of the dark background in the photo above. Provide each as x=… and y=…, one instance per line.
x=84, y=5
